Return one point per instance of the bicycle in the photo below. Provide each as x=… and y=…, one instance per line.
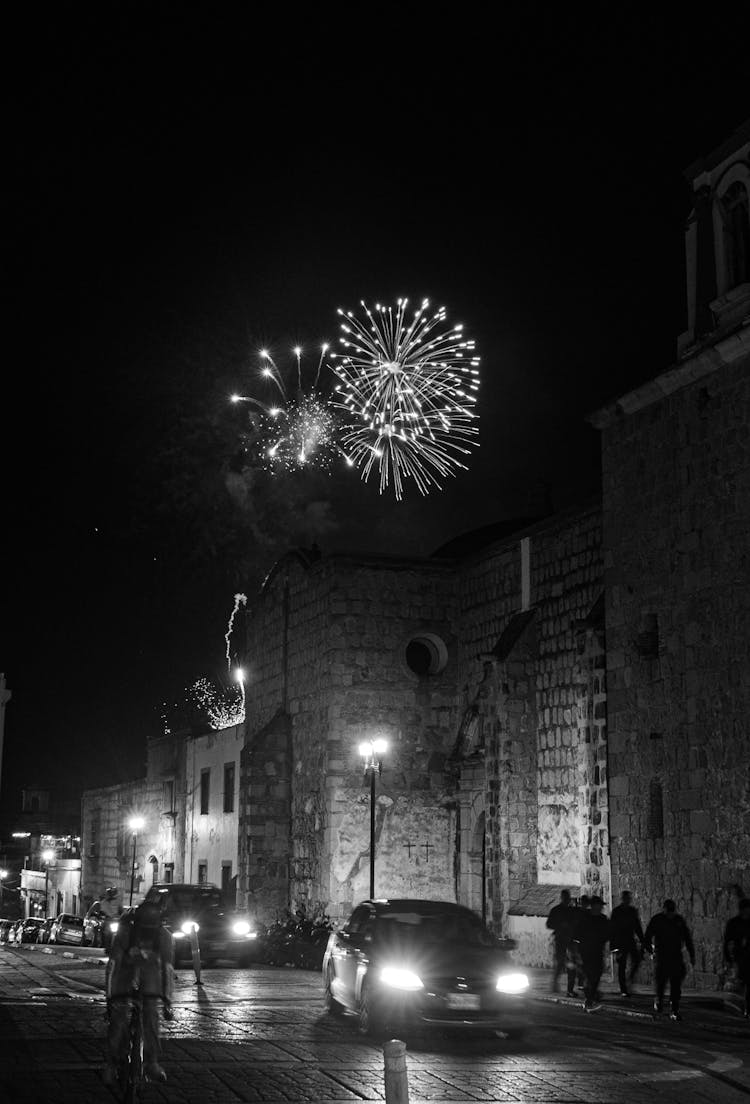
x=131, y=1075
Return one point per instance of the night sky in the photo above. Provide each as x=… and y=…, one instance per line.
x=184, y=191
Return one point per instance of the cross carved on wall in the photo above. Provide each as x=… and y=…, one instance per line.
x=408, y=847
x=426, y=846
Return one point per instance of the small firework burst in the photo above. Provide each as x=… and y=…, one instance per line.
x=408, y=395
x=299, y=429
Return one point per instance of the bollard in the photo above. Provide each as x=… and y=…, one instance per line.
x=396, y=1078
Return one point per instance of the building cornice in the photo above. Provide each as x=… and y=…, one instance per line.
x=704, y=363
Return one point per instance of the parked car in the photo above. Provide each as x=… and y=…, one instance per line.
x=402, y=962
x=5, y=926
x=98, y=929
x=42, y=935
x=224, y=932
x=26, y=930
x=67, y=929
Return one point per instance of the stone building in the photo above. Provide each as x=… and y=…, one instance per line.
x=188, y=802
x=485, y=675
x=159, y=799
x=676, y=531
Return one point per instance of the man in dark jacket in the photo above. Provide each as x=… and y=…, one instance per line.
x=562, y=921
x=737, y=949
x=591, y=934
x=626, y=940
x=666, y=935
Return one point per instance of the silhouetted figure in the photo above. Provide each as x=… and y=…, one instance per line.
x=592, y=934
x=626, y=940
x=666, y=935
x=737, y=949
x=562, y=921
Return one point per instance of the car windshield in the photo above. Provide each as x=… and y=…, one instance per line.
x=450, y=926
x=74, y=920
x=189, y=900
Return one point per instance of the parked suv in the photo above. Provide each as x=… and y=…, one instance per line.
x=223, y=931
x=67, y=929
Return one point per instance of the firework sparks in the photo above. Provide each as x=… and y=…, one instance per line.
x=408, y=395
x=299, y=428
x=239, y=600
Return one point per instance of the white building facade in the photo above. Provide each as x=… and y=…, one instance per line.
x=211, y=809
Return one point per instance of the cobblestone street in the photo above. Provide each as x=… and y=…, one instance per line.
x=262, y=1035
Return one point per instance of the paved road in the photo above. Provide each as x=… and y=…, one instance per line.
x=261, y=1035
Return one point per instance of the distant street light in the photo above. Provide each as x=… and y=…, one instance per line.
x=372, y=752
x=134, y=824
x=47, y=856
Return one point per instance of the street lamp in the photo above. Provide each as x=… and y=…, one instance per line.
x=3, y=876
x=48, y=856
x=372, y=752
x=134, y=824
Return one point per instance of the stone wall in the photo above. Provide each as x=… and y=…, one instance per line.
x=327, y=645
x=677, y=545
x=527, y=676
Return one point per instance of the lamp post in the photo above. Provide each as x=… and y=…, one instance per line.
x=372, y=752
x=48, y=856
x=134, y=824
x=3, y=876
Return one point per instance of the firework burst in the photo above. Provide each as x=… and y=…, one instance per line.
x=408, y=395
x=297, y=428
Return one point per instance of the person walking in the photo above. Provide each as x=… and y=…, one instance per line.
x=666, y=935
x=626, y=941
x=737, y=950
x=561, y=922
x=591, y=935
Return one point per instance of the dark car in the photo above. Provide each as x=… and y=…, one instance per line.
x=67, y=929
x=224, y=932
x=401, y=963
x=42, y=935
x=26, y=930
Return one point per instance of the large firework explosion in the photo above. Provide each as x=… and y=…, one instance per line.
x=297, y=428
x=408, y=395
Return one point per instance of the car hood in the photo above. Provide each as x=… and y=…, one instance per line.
x=441, y=959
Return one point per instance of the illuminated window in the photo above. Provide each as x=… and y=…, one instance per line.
x=169, y=873
x=205, y=791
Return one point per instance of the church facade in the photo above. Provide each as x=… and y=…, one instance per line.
x=485, y=677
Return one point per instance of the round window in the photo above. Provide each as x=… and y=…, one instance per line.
x=426, y=654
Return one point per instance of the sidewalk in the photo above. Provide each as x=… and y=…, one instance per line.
x=713, y=1008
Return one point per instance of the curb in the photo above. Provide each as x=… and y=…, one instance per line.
x=65, y=954
x=721, y=1003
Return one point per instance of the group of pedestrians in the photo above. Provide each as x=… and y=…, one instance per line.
x=581, y=933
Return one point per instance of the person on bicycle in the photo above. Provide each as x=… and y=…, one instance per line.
x=140, y=962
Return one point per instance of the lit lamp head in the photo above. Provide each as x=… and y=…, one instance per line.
x=3, y=874
x=48, y=855
x=239, y=674
x=372, y=751
x=136, y=823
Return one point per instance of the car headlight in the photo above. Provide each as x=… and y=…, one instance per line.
x=190, y=926
x=512, y=983
x=241, y=927
x=398, y=978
